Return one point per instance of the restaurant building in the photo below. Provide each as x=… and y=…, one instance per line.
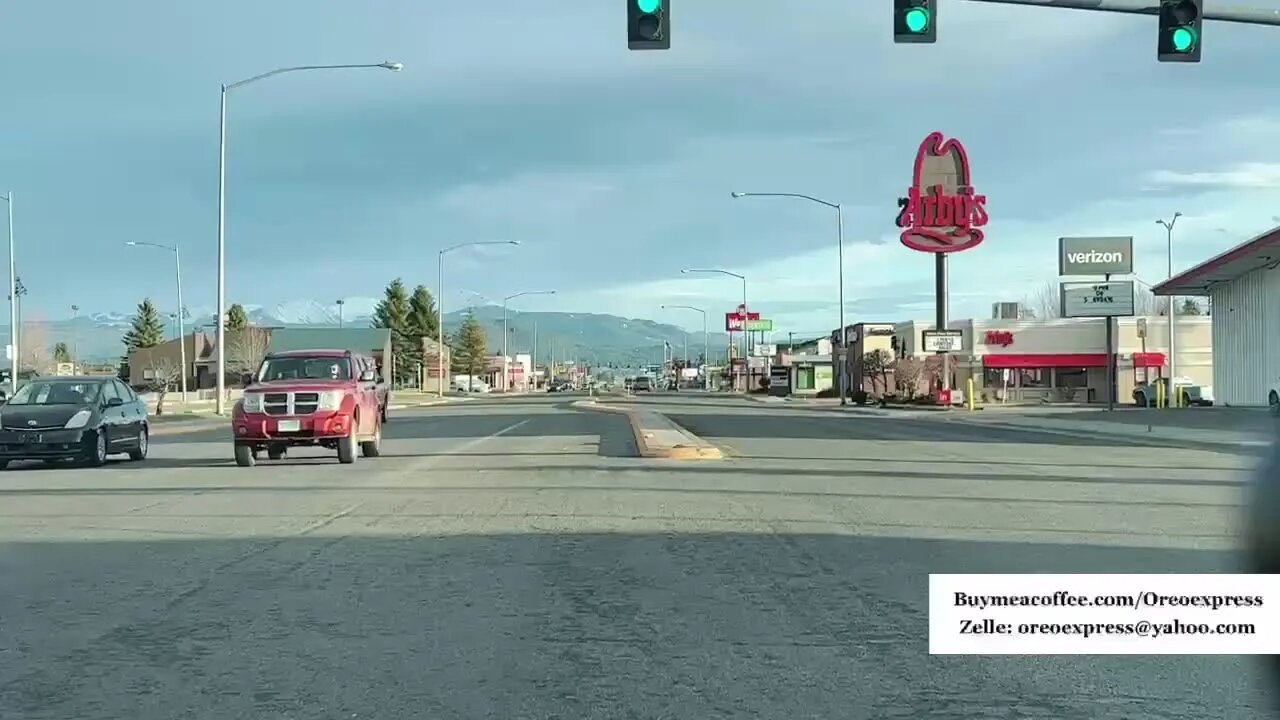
x=1065, y=360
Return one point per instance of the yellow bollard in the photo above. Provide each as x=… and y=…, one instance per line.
x=1160, y=399
x=969, y=393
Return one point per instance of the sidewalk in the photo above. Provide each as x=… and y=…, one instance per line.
x=1190, y=427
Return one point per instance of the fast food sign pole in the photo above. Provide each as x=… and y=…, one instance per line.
x=942, y=214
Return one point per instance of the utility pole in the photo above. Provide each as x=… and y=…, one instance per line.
x=1171, y=397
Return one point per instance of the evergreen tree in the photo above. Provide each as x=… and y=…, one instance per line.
x=471, y=347
x=148, y=328
x=392, y=313
x=237, y=318
x=61, y=353
x=422, y=320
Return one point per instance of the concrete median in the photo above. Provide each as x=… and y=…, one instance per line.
x=657, y=436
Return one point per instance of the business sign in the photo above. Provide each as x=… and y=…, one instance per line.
x=941, y=212
x=1095, y=255
x=765, y=350
x=943, y=341
x=1085, y=300
x=998, y=338
x=734, y=321
x=758, y=325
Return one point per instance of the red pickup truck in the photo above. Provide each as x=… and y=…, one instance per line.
x=325, y=398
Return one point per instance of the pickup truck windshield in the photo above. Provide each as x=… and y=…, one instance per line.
x=305, y=368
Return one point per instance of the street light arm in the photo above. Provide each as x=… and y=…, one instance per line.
x=801, y=196
x=482, y=242
x=530, y=292
x=396, y=67
x=710, y=270
x=140, y=243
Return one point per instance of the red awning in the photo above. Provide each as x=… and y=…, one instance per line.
x=1064, y=360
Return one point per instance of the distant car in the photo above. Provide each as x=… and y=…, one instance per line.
x=80, y=419
x=642, y=384
x=309, y=398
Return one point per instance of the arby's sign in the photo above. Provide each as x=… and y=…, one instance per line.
x=942, y=213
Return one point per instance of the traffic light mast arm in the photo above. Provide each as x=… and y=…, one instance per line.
x=1245, y=16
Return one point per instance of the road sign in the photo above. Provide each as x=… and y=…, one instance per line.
x=943, y=341
x=1085, y=300
x=1095, y=255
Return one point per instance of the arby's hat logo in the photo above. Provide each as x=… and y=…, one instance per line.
x=941, y=212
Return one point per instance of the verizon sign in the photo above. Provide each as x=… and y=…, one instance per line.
x=1095, y=255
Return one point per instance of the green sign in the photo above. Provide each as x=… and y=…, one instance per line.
x=759, y=325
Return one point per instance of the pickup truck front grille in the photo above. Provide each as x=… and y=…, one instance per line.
x=293, y=403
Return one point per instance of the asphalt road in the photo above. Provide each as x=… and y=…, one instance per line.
x=510, y=558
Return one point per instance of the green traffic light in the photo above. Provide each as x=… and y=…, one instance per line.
x=1184, y=39
x=649, y=6
x=917, y=20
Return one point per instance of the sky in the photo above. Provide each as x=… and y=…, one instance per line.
x=612, y=169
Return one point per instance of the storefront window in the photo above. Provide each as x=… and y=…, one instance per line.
x=1071, y=378
x=993, y=377
x=1033, y=377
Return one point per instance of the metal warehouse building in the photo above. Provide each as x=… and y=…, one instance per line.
x=1243, y=287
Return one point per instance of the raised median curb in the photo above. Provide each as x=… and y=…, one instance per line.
x=657, y=436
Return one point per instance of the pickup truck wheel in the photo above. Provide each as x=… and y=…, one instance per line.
x=245, y=456
x=373, y=448
x=347, y=449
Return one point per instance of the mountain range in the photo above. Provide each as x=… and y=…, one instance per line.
x=591, y=337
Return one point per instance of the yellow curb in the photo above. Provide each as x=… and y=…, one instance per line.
x=679, y=452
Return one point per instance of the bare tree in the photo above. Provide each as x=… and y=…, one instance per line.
x=1045, y=302
x=1145, y=302
x=246, y=348
x=34, y=348
x=908, y=372
x=877, y=364
x=161, y=375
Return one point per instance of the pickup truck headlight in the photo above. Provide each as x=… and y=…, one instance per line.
x=252, y=402
x=78, y=420
x=331, y=400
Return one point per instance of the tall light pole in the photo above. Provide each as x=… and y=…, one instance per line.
x=440, y=303
x=506, y=333
x=842, y=382
x=339, y=302
x=746, y=364
x=75, y=338
x=19, y=291
x=222, y=203
x=706, y=343
x=1172, y=387
x=182, y=311
x=13, y=302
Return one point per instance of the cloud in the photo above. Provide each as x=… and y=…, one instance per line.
x=1242, y=175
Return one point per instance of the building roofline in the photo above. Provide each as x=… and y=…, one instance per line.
x=1179, y=284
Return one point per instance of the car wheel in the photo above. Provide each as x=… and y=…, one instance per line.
x=4, y=464
x=1273, y=401
x=383, y=416
x=347, y=449
x=144, y=444
x=276, y=452
x=95, y=452
x=245, y=456
x=373, y=448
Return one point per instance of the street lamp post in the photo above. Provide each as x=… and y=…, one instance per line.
x=842, y=380
x=182, y=311
x=19, y=291
x=743, y=278
x=507, y=333
x=75, y=339
x=706, y=344
x=340, y=302
x=13, y=302
x=222, y=202
x=1172, y=394
x=440, y=303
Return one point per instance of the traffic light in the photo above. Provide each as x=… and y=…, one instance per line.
x=648, y=24
x=915, y=21
x=1180, y=22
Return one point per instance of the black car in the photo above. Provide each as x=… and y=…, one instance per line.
x=81, y=419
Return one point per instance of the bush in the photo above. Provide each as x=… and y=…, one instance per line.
x=859, y=397
x=829, y=393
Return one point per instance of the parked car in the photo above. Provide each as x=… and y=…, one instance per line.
x=1145, y=394
x=307, y=398
x=81, y=419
